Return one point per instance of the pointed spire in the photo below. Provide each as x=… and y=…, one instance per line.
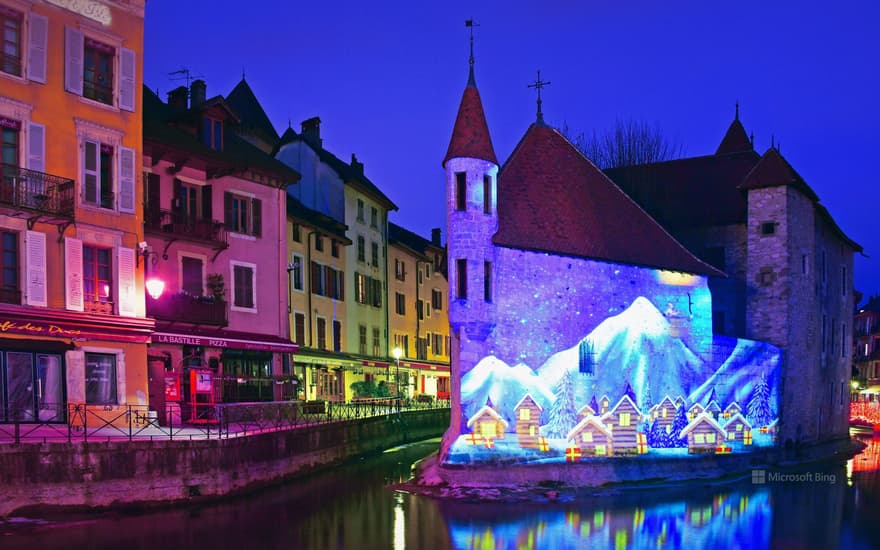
x=736, y=139
x=538, y=85
x=470, y=135
x=470, y=24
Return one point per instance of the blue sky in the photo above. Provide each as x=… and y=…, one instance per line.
x=386, y=79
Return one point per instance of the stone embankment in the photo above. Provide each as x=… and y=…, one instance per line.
x=144, y=473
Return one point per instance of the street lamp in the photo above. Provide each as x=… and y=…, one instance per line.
x=397, y=352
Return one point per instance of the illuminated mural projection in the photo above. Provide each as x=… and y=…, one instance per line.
x=582, y=329
x=629, y=387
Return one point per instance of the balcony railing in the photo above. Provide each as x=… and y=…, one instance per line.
x=180, y=225
x=199, y=310
x=37, y=191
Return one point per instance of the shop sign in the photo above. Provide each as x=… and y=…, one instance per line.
x=36, y=327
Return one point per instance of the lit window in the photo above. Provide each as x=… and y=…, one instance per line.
x=98, y=71
x=525, y=414
x=97, y=276
x=100, y=379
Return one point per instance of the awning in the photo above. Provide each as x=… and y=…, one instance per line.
x=230, y=339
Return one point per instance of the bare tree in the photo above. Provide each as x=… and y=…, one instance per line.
x=629, y=143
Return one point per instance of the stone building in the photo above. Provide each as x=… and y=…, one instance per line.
x=789, y=267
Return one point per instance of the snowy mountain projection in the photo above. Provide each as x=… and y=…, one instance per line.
x=635, y=347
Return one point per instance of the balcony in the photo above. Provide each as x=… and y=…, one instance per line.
x=171, y=226
x=198, y=310
x=36, y=196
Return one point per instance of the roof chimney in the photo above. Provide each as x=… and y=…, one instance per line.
x=177, y=98
x=197, y=92
x=356, y=165
x=311, y=131
x=435, y=236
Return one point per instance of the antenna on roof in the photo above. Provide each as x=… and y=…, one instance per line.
x=184, y=74
x=469, y=23
x=736, y=116
x=772, y=141
x=752, y=139
x=242, y=73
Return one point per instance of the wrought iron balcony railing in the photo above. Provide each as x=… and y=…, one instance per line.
x=178, y=224
x=37, y=191
x=199, y=310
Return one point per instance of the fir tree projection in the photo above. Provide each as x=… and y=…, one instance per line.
x=711, y=397
x=647, y=402
x=758, y=410
x=657, y=436
x=586, y=359
x=594, y=405
x=628, y=390
x=563, y=413
x=679, y=423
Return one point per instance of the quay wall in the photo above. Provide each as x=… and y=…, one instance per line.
x=143, y=473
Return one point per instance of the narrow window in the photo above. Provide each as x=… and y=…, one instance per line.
x=297, y=233
x=321, y=330
x=487, y=281
x=374, y=217
x=374, y=254
x=334, y=248
x=296, y=273
x=460, y=190
x=360, y=210
x=362, y=249
x=10, y=41
x=191, y=270
x=376, y=342
x=362, y=339
x=10, y=130
x=98, y=71
x=768, y=228
x=437, y=299
x=299, y=328
x=487, y=195
x=243, y=286
x=9, y=292
x=97, y=278
x=400, y=303
x=337, y=336
x=461, y=279
x=319, y=243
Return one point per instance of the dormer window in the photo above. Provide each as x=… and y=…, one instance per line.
x=212, y=133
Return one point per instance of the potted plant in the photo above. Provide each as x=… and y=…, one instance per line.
x=216, y=286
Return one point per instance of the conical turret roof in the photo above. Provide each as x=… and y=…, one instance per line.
x=470, y=136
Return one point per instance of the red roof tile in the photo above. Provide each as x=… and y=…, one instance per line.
x=470, y=136
x=552, y=199
x=735, y=140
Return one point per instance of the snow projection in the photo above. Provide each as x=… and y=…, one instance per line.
x=629, y=387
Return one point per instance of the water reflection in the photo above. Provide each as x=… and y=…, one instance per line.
x=351, y=508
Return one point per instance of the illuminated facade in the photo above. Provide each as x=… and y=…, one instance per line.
x=789, y=268
x=215, y=235
x=564, y=290
x=74, y=342
x=417, y=300
x=866, y=328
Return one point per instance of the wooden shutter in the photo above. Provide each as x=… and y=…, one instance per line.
x=125, y=281
x=126, y=180
x=126, y=79
x=36, y=151
x=176, y=202
x=38, y=38
x=73, y=274
x=258, y=217
x=91, y=165
x=35, y=268
x=227, y=212
x=315, y=278
x=207, y=214
x=73, y=60
x=329, y=281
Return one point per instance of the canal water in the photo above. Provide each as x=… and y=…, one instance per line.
x=352, y=508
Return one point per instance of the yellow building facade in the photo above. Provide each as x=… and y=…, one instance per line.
x=72, y=298
x=316, y=284
x=418, y=320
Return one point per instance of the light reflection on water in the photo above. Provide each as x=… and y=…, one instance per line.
x=351, y=508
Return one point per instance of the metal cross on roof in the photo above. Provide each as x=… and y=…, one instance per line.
x=537, y=85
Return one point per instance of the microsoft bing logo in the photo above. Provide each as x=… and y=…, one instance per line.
x=759, y=477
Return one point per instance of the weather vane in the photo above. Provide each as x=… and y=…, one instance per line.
x=538, y=84
x=469, y=23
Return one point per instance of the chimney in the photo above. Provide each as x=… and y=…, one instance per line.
x=177, y=98
x=435, y=236
x=311, y=131
x=197, y=92
x=357, y=166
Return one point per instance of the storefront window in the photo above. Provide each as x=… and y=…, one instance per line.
x=100, y=379
x=247, y=376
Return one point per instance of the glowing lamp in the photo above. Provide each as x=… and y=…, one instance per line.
x=397, y=353
x=155, y=287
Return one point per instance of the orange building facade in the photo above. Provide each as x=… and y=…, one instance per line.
x=74, y=332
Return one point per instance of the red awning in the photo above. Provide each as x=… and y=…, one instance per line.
x=230, y=339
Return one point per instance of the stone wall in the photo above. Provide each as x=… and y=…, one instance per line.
x=143, y=472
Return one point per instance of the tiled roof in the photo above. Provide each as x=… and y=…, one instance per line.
x=735, y=140
x=404, y=237
x=692, y=192
x=330, y=226
x=237, y=154
x=552, y=199
x=772, y=171
x=253, y=117
x=347, y=172
x=470, y=135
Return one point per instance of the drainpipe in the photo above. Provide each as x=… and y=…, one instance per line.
x=308, y=268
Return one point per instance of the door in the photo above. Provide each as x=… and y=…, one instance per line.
x=33, y=387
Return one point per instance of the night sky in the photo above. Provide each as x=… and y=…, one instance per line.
x=386, y=81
